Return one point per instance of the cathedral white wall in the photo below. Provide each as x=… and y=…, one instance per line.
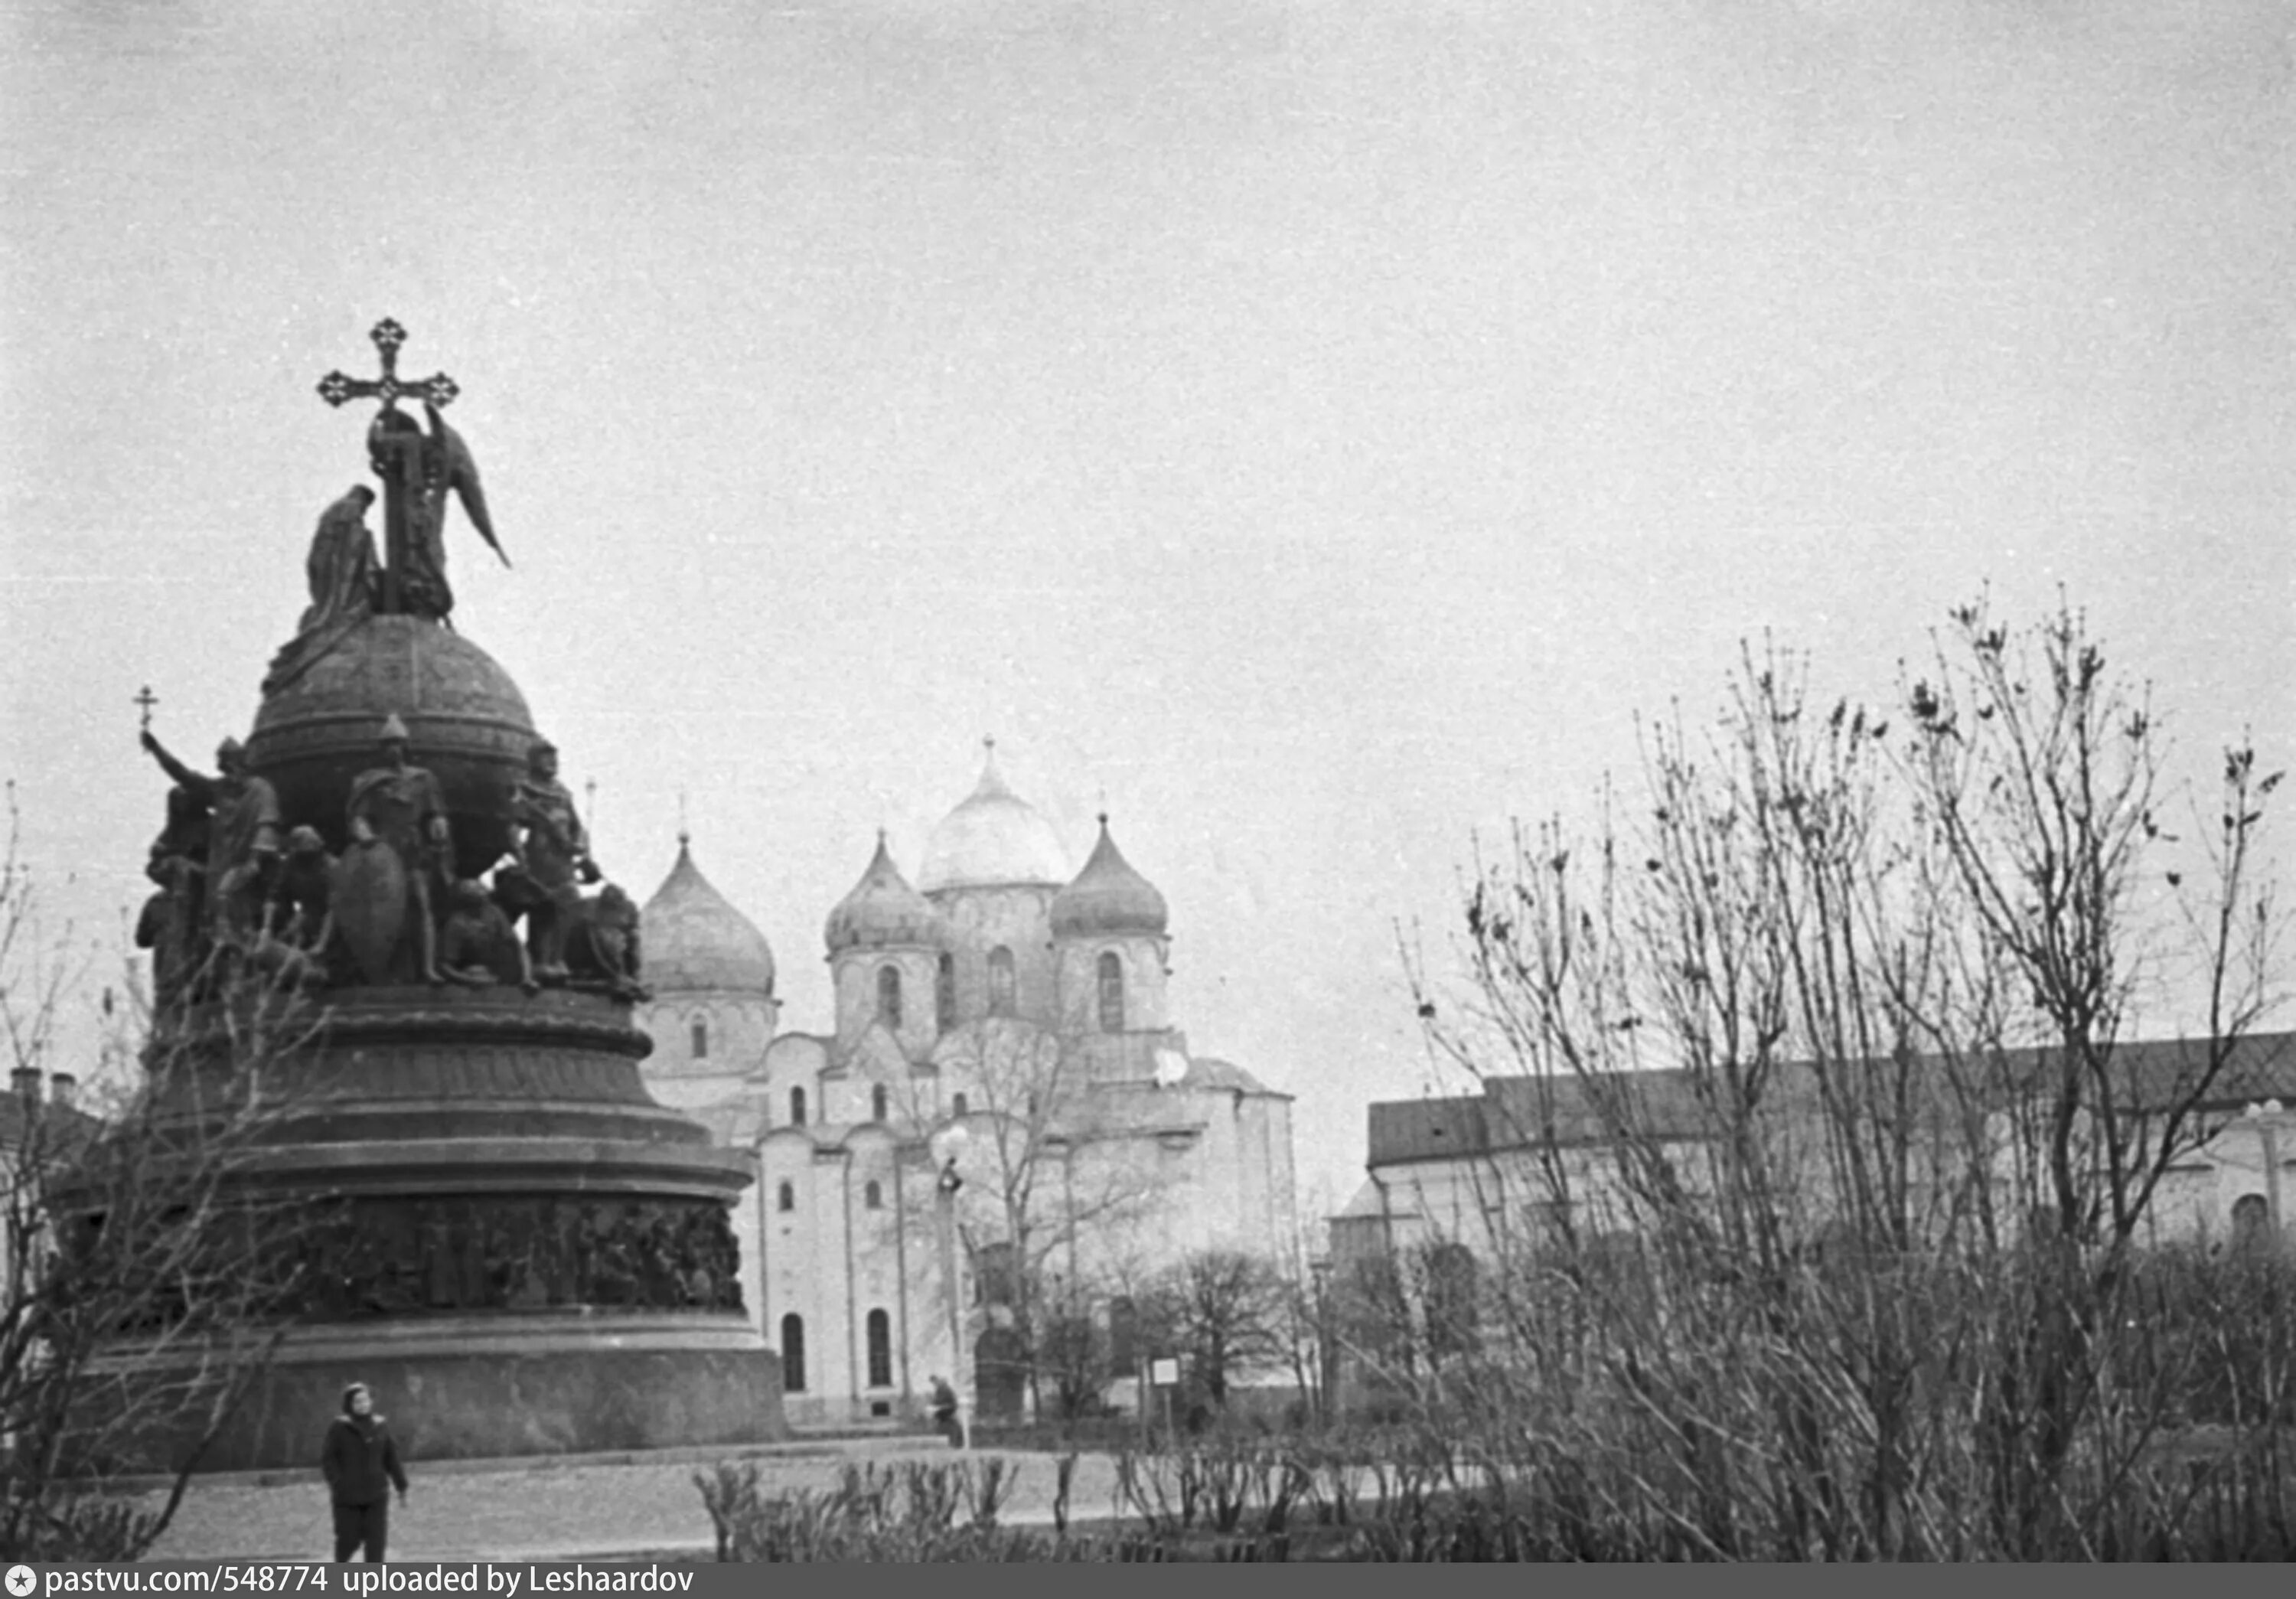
x=805, y=1269
x=696, y=1091
x=1260, y=1153
x=834, y=1258
x=1078, y=962
x=854, y=973
x=794, y=1061
x=1018, y=918
x=878, y=1247
x=737, y=1025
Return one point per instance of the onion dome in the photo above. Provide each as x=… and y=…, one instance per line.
x=994, y=838
x=881, y=911
x=693, y=936
x=1108, y=897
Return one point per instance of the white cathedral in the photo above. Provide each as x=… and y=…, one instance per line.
x=1003, y=1092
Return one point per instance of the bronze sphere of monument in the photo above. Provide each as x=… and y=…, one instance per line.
x=315, y=733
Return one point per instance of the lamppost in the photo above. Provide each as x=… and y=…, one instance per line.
x=2266, y=1120
x=1327, y=1353
x=946, y=1145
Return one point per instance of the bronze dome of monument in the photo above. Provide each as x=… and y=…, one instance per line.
x=466, y=721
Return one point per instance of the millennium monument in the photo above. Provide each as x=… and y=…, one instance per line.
x=508, y=1236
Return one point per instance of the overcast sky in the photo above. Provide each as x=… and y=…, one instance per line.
x=1315, y=429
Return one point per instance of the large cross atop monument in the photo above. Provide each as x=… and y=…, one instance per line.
x=396, y=453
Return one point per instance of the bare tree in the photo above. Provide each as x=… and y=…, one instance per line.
x=1075, y=1354
x=1051, y=1191
x=1790, y=1053
x=1223, y=1312
x=147, y=1287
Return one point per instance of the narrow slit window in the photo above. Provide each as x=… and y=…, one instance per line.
x=1111, y=993
x=793, y=1353
x=880, y=1349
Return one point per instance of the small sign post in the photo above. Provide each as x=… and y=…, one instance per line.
x=1165, y=1375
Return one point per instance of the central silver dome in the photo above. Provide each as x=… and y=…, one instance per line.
x=994, y=838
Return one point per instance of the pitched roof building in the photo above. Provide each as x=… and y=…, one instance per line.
x=1470, y=1170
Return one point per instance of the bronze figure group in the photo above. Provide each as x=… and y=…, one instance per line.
x=236, y=894
x=402, y=1256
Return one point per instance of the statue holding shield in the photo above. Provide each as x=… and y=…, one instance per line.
x=396, y=871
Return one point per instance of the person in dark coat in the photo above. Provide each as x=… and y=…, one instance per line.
x=944, y=1412
x=361, y=1463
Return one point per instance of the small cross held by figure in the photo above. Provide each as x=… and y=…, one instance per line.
x=146, y=700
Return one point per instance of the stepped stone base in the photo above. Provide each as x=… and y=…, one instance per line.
x=508, y=1240
x=485, y=1388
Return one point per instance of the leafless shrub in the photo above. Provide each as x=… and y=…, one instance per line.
x=147, y=1281
x=1821, y=1211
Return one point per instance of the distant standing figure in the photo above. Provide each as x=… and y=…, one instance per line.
x=361, y=1463
x=944, y=1412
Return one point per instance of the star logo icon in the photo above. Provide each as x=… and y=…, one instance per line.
x=22, y=1580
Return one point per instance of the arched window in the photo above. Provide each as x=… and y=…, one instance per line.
x=877, y=1105
x=793, y=1353
x=785, y=1197
x=2251, y=1224
x=700, y=1039
x=944, y=994
x=957, y=1107
x=797, y=1107
x=888, y=996
x=873, y=1196
x=1000, y=981
x=880, y=1349
x=1111, y=993
x=1453, y=1308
